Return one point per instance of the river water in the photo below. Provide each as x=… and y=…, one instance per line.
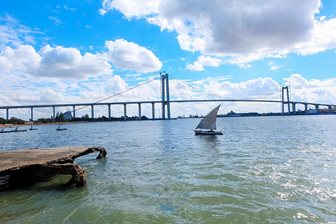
x=262, y=170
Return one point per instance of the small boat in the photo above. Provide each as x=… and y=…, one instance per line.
x=10, y=131
x=207, y=125
x=5, y=131
x=31, y=128
x=59, y=128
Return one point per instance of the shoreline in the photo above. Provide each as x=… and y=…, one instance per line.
x=11, y=125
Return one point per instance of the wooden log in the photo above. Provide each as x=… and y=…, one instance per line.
x=24, y=167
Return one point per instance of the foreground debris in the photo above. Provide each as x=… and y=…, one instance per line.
x=24, y=167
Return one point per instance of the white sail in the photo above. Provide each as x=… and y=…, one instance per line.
x=209, y=121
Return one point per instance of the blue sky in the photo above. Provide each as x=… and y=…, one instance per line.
x=68, y=49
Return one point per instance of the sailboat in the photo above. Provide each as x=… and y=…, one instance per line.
x=5, y=131
x=207, y=125
x=59, y=128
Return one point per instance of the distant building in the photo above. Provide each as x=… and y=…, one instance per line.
x=232, y=114
x=67, y=116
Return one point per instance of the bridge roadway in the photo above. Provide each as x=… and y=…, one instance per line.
x=74, y=105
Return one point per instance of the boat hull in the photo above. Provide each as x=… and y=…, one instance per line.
x=23, y=130
x=207, y=132
x=10, y=131
x=6, y=131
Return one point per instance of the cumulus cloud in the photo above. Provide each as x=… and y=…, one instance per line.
x=131, y=8
x=131, y=56
x=93, y=89
x=242, y=30
x=63, y=75
x=58, y=62
x=202, y=62
x=69, y=63
x=312, y=90
x=259, y=88
x=322, y=38
x=23, y=58
x=18, y=55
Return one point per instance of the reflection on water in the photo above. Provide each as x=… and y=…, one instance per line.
x=263, y=169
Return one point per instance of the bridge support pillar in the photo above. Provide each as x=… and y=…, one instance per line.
x=139, y=111
x=125, y=111
x=153, y=111
x=306, y=107
x=7, y=114
x=283, y=89
x=294, y=108
x=329, y=108
x=168, y=98
x=54, y=113
x=92, y=111
x=109, y=111
x=73, y=112
x=317, y=106
x=165, y=95
x=31, y=114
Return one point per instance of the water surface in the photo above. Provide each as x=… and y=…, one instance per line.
x=263, y=169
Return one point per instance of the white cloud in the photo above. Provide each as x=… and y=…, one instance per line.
x=69, y=63
x=55, y=62
x=131, y=8
x=242, y=30
x=59, y=61
x=55, y=20
x=42, y=90
x=313, y=90
x=131, y=56
x=273, y=66
x=65, y=75
x=260, y=88
x=322, y=38
x=23, y=58
x=202, y=62
x=12, y=33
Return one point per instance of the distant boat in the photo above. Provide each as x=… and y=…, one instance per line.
x=10, y=131
x=31, y=128
x=59, y=128
x=207, y=125
x=5, y=131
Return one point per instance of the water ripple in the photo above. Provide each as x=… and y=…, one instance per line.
x=262, y=170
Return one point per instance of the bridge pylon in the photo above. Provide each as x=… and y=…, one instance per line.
x=283, y=90
x=165, y=99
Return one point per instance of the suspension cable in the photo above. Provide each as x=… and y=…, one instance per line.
x=117, y=94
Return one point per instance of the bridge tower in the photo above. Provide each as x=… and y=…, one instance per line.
x=283, y=90
x=165, y=95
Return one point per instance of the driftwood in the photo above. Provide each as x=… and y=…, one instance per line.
x=24, y=167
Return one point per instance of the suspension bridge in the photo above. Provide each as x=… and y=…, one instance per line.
x=165, y=102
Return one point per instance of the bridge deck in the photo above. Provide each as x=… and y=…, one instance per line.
x=158, y=102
